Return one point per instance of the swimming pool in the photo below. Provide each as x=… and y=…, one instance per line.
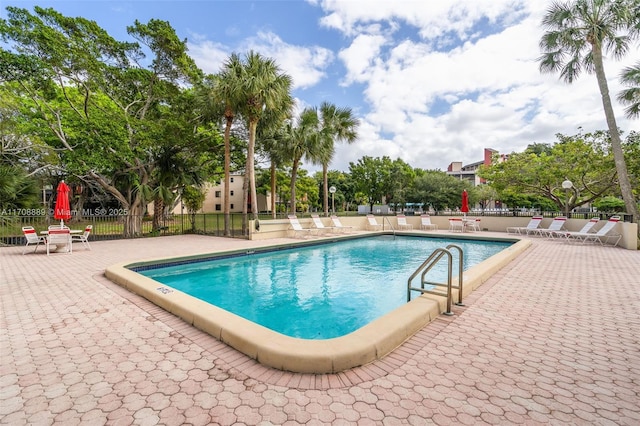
x=321, y=291
x=372, y=341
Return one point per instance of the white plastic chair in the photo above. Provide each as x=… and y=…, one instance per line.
x=32, y=237
x=472, y=223
x=84, y=237
x=456, y=224
x=59, y=237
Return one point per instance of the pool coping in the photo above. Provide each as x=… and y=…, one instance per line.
x=369, y=343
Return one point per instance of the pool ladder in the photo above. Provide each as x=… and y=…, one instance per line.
x=428, y=264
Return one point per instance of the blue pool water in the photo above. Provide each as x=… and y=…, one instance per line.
x=320, y=291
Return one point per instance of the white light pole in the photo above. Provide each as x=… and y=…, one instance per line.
x=567, y=185
x=332, y=190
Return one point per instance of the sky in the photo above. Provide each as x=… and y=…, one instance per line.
x=432, y=82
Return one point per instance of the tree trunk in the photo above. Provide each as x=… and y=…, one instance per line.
x=616, y=143
x=273, y=190
x=325, y=182
x=253, y=125
x=245, y=200
x=133, y=221
x=157, y=213
x=227, y=177
x=294, y=172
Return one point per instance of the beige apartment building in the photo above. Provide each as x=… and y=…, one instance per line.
x=214, y=200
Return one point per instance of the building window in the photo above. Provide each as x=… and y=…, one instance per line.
x=218, y=207
x=231, y=193
x=217, y=194
x=231, y=180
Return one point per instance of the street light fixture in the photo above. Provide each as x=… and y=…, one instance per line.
x=332, y=190
x=567, y=185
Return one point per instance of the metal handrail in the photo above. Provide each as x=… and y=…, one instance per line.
x=427, y=265
x=390, y=225
x=460, y=271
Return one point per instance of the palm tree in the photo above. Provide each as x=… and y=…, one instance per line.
x=226, y=97
x=302, y=141
x=336, y=124
x=578, y=33
x=274, y=144
x=631, y=96
x=264, y=87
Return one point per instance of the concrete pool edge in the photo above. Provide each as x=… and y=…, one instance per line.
x=369, y=343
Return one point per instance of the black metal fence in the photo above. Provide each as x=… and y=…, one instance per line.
x=113, y=227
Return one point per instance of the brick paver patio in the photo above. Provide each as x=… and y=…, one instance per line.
x=553, y=338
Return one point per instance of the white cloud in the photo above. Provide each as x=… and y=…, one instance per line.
x=208, y=55
x=305, y=64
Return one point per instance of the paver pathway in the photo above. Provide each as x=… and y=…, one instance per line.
x=553, y=338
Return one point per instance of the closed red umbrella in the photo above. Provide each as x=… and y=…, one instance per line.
x=465, y=202
x=62, y=210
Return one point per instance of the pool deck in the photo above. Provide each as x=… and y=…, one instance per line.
x=550, y=339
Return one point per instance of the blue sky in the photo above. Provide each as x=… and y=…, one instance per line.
x=431, y=81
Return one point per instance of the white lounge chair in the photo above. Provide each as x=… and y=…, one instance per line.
x=32, y=237
x=556, y=225
x=339, y=226
x=402, y=222
x=84, y=237
x=297, y=228
x=317, y=222
x=425, y=223
x=602, y=236
x=533, y=224
x=585, y=229
x=60, y=237
x=372, y=223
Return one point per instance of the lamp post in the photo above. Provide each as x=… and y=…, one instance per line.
x=332, y=190
x=567, y=185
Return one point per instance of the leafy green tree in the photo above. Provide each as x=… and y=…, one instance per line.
x=193, y=199
x=370, y=178
x=308, y=190
x=484, y=195
x=345, y=189
x=579, y=32
x=92, y=98
x=583, y=159
x=336, y=125
x=434, y=189
x=609, y=204
x=400, y=178
x=17, y=191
